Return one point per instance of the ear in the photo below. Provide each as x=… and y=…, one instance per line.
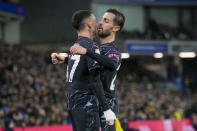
x=88, y=23
x=116, y=28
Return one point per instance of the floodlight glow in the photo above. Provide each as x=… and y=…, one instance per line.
x=187, y=54
x=125, y=55
x=158, y=55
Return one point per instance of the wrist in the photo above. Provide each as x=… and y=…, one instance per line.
x=107, y=111
x=105, y=107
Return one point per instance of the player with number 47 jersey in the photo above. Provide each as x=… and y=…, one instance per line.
x=84, y=93
x=78, y=82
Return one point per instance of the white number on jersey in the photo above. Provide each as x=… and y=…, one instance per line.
x=112, y=86
x=70, y=74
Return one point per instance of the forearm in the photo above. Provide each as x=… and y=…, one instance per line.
x=98, y=89
x=103, y=60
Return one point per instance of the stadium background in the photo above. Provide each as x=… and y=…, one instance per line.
x=156, y=84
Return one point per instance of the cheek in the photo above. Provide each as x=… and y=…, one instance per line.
x=94, y=25
x=107, y=27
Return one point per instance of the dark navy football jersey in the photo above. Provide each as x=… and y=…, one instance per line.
x=78, y=84
x=108, y=76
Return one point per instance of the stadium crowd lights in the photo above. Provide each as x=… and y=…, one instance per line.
x=158, y=55
x=125, y=55
x=187, y=54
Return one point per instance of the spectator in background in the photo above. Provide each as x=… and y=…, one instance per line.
x=9, y=125
x=194, y=121
x=158, y=31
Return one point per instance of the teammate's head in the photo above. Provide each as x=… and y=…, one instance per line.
x=112, y=22
x=84, y=19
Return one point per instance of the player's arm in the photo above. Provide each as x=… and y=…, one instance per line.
x=99, y=92
x=103, y=60
x=57, y=58
x=98, y=88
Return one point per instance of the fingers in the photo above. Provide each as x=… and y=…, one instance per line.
x=107, y=122
x=110, y=122
x=77, y=49
x=73, y=50
x=54, y=61
x=53, y=55
x=57, y=59
x=109, y=116
x=53, y=58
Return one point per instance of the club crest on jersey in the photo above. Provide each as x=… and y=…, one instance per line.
x=97, y=51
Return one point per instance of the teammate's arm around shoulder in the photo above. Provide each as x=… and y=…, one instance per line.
x=95, y=54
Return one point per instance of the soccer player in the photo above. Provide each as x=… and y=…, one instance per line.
x=84, y=88
x=110, y=24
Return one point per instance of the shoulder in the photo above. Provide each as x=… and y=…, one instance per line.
x=94, y=47
x=114, y=54
x=85, y=42
x=114, y=50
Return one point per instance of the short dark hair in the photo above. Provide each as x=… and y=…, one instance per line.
x=119, y=17
x=79, y=17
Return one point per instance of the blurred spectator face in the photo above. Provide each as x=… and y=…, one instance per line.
x=106, y=25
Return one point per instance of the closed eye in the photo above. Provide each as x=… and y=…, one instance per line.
x=106, y=20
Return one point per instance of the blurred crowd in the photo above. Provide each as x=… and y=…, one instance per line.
x=32, y=92
x=156, y=31
x=141, y=98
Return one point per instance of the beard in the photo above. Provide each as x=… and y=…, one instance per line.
x=104, y=34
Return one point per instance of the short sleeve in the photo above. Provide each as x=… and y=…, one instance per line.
x=115, y=56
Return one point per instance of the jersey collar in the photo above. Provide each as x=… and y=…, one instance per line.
x=109, y=44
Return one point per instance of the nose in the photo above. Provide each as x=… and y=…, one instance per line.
x=100, y=23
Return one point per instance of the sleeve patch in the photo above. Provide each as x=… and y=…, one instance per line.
x=114, y=55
